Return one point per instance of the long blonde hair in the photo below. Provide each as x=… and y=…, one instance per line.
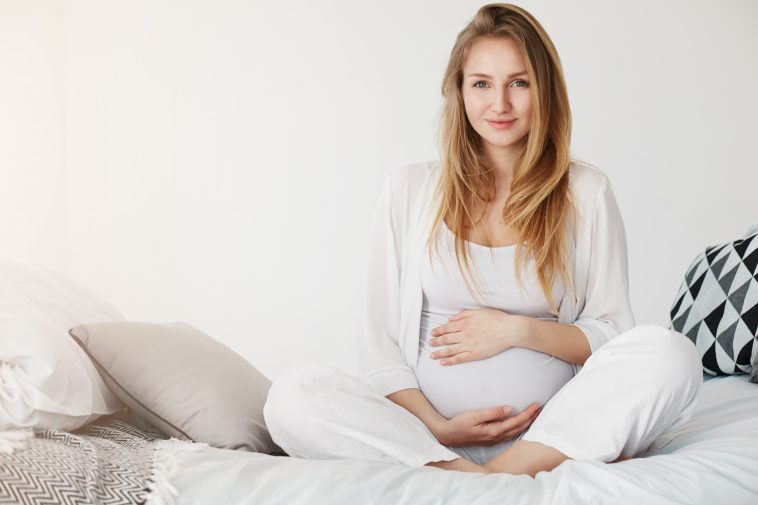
x=539, y=207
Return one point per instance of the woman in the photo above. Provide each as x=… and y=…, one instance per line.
x=454, y=373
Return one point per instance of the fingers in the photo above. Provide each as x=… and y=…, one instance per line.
x=489, y=415
x=521, y=428
x=449, y=327
x=450, y=338
x=457, y=357
x=516, y=424
x=496, y=413
x=491, y=428
x=446, y=352
x=443, y=329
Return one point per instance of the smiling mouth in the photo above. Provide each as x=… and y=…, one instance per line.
x=501, y=124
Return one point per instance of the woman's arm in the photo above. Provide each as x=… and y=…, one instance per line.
x=378, y=354
x=379, y=358
x=564, y=341
x=607, y=310
x=414, y=401
x=481, y=333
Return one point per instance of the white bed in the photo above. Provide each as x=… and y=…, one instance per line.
x=712, y=459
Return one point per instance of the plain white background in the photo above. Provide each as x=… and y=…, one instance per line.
x=217, y=162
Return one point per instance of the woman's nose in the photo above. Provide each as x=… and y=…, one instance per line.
x=502, y=103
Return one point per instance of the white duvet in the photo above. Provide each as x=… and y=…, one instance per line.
x=712, y=459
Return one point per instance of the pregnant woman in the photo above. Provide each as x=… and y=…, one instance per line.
x=532, y=356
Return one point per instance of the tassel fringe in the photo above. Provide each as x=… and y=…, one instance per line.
x=165, y=465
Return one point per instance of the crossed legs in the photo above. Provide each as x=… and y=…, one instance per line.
x=520, y=458
x=628, y=392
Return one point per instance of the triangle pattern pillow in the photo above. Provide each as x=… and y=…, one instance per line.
x=717, y=306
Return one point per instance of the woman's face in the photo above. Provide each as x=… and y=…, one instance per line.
x=499, y=92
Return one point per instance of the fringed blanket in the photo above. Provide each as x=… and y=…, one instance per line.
x=106, y=462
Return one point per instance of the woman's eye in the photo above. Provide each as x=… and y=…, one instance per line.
x=524, y=83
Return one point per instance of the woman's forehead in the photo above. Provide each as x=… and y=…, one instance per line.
x=495, y=57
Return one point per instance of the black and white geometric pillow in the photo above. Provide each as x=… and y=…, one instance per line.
x=717, y=306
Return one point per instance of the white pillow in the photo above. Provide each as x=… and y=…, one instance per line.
x=46, y=380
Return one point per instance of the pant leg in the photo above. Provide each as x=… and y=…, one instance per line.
x=630, y=391
x=318, y=411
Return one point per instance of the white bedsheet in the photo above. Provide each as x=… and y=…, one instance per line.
x=711, y=459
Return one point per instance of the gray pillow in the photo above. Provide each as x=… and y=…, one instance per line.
x=182, y=381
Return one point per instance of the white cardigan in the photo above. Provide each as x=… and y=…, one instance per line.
x=388, y=340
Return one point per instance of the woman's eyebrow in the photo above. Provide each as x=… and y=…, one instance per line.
x=490, y=77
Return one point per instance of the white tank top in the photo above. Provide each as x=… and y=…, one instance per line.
x=517, y=376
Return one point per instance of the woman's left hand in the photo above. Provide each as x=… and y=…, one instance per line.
x=475, y=334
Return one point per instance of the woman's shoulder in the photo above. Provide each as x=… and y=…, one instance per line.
x=584, y=176
x=414, y=172
x=410, y=179
x=586, y=181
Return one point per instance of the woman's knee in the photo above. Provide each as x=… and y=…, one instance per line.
x=674, y=359
x=290, y=395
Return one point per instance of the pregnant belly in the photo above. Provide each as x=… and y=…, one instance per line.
x=515, y=377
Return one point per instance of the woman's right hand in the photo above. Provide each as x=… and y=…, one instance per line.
x=485, y=426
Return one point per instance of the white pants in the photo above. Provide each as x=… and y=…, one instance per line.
x=630, y=391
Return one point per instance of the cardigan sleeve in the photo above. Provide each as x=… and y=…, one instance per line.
x=607, y=310
x=379, y=358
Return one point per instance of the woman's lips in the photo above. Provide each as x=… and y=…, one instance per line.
x=501, y=125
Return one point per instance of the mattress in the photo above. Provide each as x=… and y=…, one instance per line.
x=713, y=458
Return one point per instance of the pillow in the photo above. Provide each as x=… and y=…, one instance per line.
x=717, y=306
x=182, y=381
x=46, y=380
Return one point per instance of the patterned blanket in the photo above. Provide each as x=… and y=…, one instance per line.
x=106, y=462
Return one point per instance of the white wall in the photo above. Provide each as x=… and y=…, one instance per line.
x=32, y=203
x=217, y=162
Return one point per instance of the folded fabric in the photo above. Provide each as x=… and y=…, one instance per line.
x=46, y=380
x=182, y=381
x=717, y=305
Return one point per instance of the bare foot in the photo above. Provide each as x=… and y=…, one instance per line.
x=524, y=457
x=459, y=464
